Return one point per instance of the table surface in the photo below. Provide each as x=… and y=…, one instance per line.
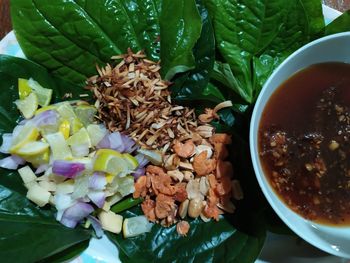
x=5, y=20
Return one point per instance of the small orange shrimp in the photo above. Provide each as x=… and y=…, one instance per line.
x=140, y=187
x=184, y=150
x=224, y=169
x=202, y=165
x=220, y=138
x=148, y=208
x=182, y=228
x=220, y=151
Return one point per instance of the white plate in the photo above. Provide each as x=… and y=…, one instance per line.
x=277, y=248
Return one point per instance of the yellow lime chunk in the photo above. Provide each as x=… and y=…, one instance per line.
x=135, y=226
x=44, y=95
x=50, y=107
x=23, y=88
x=80, y=138
x=39, y=159
x=32, y=149
x=64, y=128
x=132, y=161
x=28, y=105
x=85, y=113
x=27, y=134
x=110, y=161
x=66, y=112
x=59, y=146
x=109, y=178
x=96, y=133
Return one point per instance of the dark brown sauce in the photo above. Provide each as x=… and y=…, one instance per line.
x=304, y=143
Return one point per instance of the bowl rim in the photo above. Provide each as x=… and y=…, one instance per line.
x=253, y=135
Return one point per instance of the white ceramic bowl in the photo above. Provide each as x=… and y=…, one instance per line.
x=334, y=240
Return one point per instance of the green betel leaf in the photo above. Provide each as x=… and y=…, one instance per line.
x=70, y=37
x=27, y=232
x=205, y=242
x=254, y=37
x=180, y=28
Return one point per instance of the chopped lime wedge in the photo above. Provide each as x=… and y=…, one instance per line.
x=64, y=128
x=33, y=149
x=23, y=88
x=123, y=185
x=27, y=133
x=111, y=162
x=39, y=159
x=132, y=161
x=85, y=114
x=96, y=133
x=50, y=107
x=44, y=95
x=135, y=226
x=28, y=105
x=79, y=138
x=59, y=146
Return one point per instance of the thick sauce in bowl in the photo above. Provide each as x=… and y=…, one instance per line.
x=304, y=143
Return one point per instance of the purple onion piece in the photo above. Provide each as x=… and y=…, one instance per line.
x=97, y=181
x=104, y=143
x=97, y=197
x=138, y=172
x=128, y=143
x=67, y=169
x=80, y=150
x=96, y=225
x=142, y=160
x=74, y=214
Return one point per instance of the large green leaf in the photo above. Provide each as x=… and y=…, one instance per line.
x=340, y=24
x=28, y=233
x=254, y=37
x=193, y=85
x=180, y=27
x=70, y=36
x=205, y=242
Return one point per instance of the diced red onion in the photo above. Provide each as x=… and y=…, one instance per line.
x=75, y=214
x=62, y=202
x=138, y=172
x=128, y=143
x=96, y=224
x=6, y=142
x=80, y=150
x=42, y=168
x=97, y=197
x=11, y=162
x=141, y=159
x=17, y=130
x=46, y=118
x=97, y=181
x=67, y=169
x=118, y=142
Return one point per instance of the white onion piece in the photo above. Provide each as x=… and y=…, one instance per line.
x=81, y=187
x=80, y=150
x=46, y=118
x=97, y=181
x=97, y=197
x=62, y=202
x=67, y=169
x=96, y=224
x=11, y=162
x=6, y=142
x=75, y=214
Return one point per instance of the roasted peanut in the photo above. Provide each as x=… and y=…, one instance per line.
x=183, y=208
x=195, y=207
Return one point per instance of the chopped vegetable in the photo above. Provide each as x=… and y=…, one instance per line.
x=126, y=204
x=135, y=226
x=111, y=221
